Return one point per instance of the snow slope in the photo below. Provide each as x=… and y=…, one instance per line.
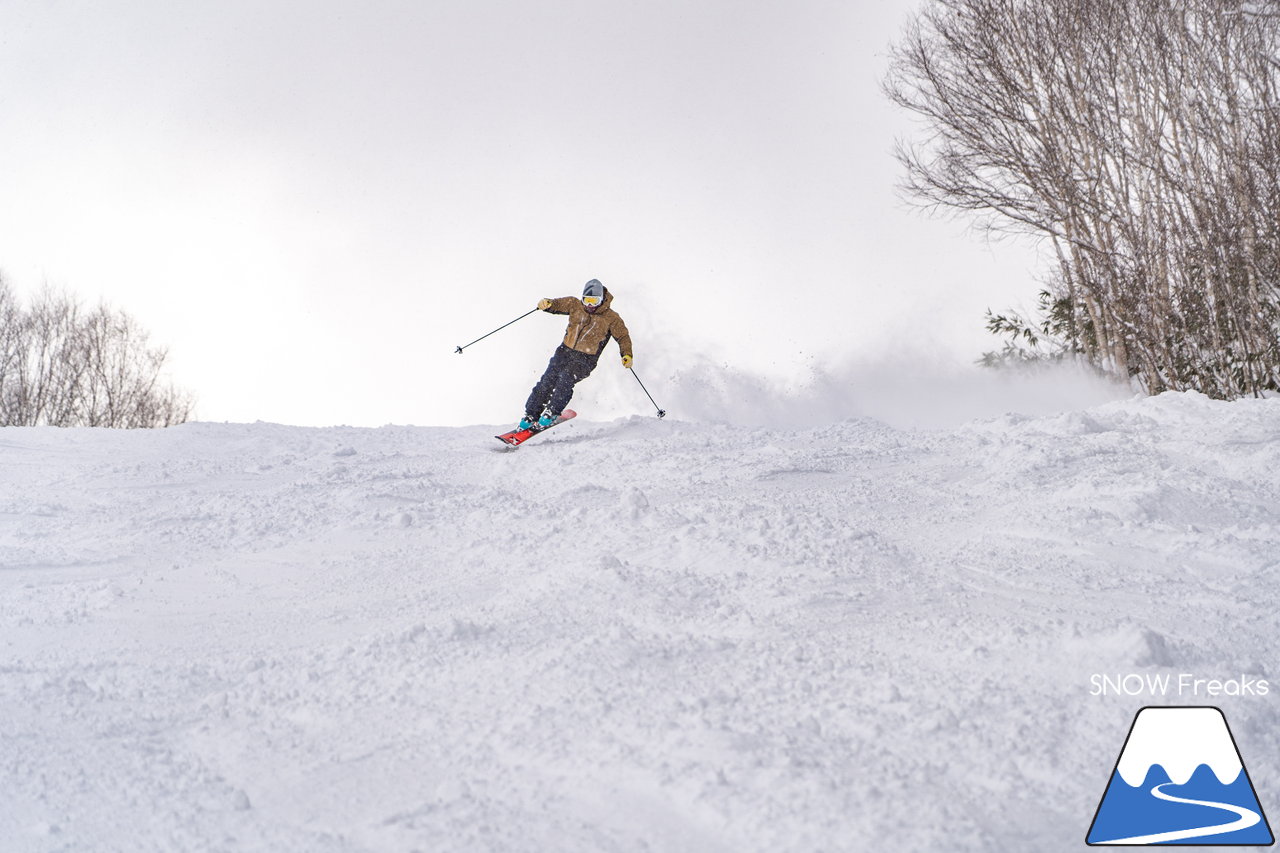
x=637, y=635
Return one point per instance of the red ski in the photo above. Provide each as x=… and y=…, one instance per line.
x=517, y=437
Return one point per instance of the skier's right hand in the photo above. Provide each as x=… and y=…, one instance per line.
x=544, y=304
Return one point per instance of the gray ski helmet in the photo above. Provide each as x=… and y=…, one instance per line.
x=593, y=291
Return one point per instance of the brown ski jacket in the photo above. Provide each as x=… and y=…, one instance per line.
x=588, y=333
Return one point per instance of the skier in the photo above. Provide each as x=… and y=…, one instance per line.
x=592, y=323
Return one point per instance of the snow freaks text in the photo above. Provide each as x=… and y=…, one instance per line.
x=1182, y=684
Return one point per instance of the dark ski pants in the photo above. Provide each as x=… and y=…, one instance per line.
x=567, y=368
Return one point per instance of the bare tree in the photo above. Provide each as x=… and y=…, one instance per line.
x=1141, y=140
x=63, y=366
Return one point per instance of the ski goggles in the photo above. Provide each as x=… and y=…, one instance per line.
x=592, y=301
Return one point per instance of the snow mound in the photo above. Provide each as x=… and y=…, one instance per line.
x=631, y=635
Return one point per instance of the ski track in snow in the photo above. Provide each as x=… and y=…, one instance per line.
x=638, y=635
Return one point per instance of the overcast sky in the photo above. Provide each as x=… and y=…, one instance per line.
x=313, y=203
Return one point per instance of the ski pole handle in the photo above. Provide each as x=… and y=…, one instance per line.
x=495, y=331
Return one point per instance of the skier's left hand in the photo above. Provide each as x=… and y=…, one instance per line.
x=626, y=362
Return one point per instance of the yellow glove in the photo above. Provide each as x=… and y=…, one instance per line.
x=544, y=304
x=626, y=362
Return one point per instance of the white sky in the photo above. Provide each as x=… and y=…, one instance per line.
x=313, y=203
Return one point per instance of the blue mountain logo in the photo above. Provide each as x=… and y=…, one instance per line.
x=1180, y=781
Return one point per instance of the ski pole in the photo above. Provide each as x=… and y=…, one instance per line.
x=661, y=412
x=495, y=331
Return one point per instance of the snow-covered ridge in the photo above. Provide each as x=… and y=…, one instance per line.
x=633, y=634
x=1179, y=740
